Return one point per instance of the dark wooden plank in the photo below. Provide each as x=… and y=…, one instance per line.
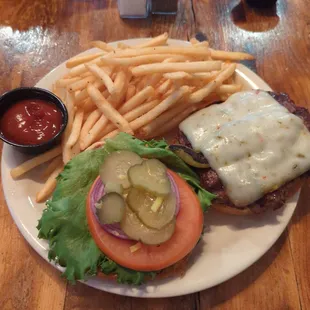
x=82, y=297
x=300, y=245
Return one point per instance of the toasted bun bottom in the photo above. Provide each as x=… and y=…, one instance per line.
x=295, y=185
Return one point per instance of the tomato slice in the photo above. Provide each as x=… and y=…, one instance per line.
x=189, y=224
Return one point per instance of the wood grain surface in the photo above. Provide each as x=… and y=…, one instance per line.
x=37, y=35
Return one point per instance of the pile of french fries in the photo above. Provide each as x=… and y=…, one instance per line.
x=145, y=90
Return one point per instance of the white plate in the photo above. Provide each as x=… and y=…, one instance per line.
x=229, y=245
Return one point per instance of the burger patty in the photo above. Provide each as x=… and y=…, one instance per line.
x=210, y=180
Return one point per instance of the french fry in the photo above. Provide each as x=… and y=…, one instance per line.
x=205, y=75
x=147, y=130
x=193, y=41
x=123, y=46
x=66, y=82
x=137, y=80
x=202, y=76
x=171, y=90
x=156, y=111
x=223, y=55
x=160, y=108
x=198, y=66
x=80, y=69
x=228, y=89
x=134, y=52
x=60, y=92
x=85, y=74
x=108, y=110
x=76, y=128
x=84, y=94
x=94, y=132
x=137, y=99
x=131, y=91
x=75, y=61
x=142, y=83
x=120, y=84
x=86, y=116
x=88, y=105
x=49, y=185
x=69, y=103
x=163, y=88
x=34, y=162
x=103, y=76
x=66, y=151
x=202, y=93
x=140, y=110
x=80, y=84
x=154, y=79
x=102, y=45
x=159, y=40
x=96, y=145
x=66, y=154
x=139, y=60
x=179, y=75
x=54, y=163
x=132, y=115
x=202, y=44
x=89, y=123
x=175, y=121
x=75, y=149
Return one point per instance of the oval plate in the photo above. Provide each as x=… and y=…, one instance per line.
x=230, y=243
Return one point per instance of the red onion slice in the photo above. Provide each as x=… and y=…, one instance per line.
x=115, y=229
x=175, y=190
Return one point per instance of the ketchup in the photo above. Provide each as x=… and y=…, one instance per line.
x=31, y=121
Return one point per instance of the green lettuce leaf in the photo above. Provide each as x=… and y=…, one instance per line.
x=124, y=275
x=64, y=224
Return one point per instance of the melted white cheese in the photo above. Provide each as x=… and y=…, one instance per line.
x=253, y=143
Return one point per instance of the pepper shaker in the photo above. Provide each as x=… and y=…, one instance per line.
x=261, y=3
x=164, y=6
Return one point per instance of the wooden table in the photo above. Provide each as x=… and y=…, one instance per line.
x=37, y=35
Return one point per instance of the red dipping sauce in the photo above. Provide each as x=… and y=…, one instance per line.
x=31, y=121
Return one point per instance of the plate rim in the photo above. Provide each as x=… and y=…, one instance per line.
x=110, y=287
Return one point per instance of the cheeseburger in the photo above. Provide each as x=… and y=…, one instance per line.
x=252, y=151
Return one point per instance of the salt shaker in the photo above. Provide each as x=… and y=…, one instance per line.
x=142, y=8
x=134, y=8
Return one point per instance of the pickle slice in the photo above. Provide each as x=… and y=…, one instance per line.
x=150, y=176
x=141, y=203
x=133, y=228
x=113, y=188
x=110, y=208
x=116, y=165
